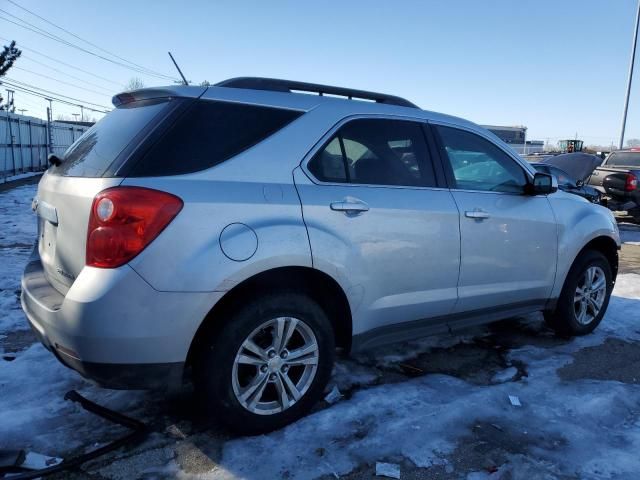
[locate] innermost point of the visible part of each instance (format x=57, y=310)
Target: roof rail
x=292, y=86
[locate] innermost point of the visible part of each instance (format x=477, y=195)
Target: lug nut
x=264, y=369
x=271, y=354
x=285, y=368
x=284, y=354
x=272, y=377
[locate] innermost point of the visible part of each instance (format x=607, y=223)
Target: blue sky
x=558, y=67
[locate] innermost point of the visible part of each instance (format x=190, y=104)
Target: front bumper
x=113, y=327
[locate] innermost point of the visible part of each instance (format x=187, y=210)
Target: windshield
x=93, y=153
x=624, y=159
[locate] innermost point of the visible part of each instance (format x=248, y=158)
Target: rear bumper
x=112, y=327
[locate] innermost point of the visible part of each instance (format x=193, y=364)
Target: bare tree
x=205, y=83
x=134, y=84
x=633, y=142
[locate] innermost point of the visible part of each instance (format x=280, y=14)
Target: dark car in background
x=573, y=171
x=617, y=177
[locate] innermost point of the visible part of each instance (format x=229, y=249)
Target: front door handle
x=349, y=206
x=476, y=214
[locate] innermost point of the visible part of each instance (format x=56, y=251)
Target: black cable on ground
x=138, y=433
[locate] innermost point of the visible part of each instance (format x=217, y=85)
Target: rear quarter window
x=94, y=152
x=207, y=134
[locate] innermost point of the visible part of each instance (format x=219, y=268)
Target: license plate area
x=47, y=241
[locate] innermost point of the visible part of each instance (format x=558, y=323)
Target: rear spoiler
x=161, y=92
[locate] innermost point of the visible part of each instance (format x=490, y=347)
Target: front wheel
x=268, y=364
x=584, y=297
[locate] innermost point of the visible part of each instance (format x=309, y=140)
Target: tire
x=226, y=370
x=567, y=319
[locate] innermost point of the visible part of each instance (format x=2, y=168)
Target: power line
x=82, y=39
x=49, y=94
x=53, y=98
x=22, y=47
x=108, y=89
x=44, y=33
x=62, y=81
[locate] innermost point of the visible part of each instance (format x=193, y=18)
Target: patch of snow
x=629, y=233
x=505, y=375
x=389, y=470
x=333, y=396
x=17, y=237
x=19, y=176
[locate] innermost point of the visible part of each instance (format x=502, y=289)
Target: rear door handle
x=476, y=214
x=350, y=206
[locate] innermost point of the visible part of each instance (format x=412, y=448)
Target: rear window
x=209, y=133
x=624, y=159
x=93, y=153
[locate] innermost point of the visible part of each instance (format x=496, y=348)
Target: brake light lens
x=124, y=220
x=631, y=183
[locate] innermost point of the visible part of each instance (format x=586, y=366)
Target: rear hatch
x=90, y=165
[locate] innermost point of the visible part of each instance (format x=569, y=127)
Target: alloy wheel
x=275, y=366
x=590, y=295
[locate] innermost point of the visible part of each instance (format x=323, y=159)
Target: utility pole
x=49, y=124
x=10, y=106
x=75, y=116
x=22, y=110
x=81, y=113
x=631, y=62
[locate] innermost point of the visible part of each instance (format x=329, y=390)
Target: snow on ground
x=630, y=233
x=19, y=176
x=590, y=428
x=32, y=386
x=587, y=429
x=17, y=237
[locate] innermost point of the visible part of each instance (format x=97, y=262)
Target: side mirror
x=543, y=184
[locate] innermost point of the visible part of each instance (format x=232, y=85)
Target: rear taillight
x=630, y=183
x=124, y=220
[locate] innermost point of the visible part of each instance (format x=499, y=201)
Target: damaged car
x=581, y=166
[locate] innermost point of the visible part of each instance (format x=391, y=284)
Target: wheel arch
x=317, y=284
x=600, y=243
x=605, y=245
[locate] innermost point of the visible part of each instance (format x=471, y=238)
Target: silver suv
x=239, y=234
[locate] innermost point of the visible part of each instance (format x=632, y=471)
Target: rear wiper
x=54, y=160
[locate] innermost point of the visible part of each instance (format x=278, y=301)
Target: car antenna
x=178, y=68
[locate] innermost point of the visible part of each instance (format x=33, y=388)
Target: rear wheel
x=268, y=364
x=584, y=297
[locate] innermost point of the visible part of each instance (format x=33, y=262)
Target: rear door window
x=93, y=153
x=208, y=133
x=376, y=152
